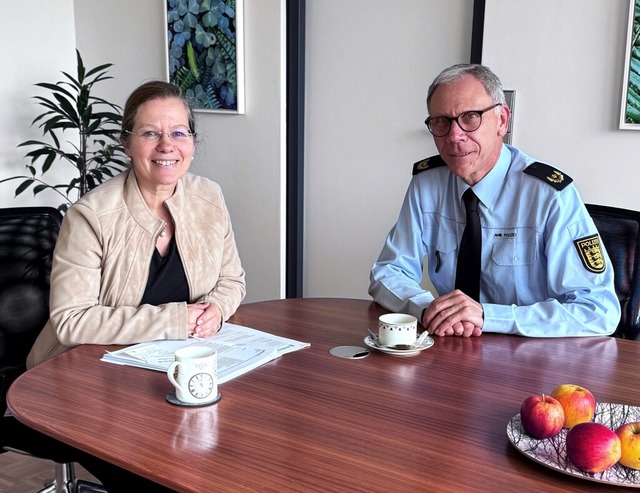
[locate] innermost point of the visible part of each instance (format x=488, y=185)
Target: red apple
x=541, y=416
x=578, y=403
x=629, y=434
x=592, y=447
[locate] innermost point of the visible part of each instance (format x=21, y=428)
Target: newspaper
x=240, y=349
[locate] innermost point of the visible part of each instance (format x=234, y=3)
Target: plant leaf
x=79, y=129
x=23, y=186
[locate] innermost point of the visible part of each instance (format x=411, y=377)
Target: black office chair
x=27, y=238
x=620, y=232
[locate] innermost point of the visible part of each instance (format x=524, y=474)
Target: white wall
x=566, y=61
x=369, y=64
x=37, y=40
x=133, y=39
x=244, y=153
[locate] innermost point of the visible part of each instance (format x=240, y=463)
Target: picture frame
x=510, y=98
x=205, y=53
x=630, y=107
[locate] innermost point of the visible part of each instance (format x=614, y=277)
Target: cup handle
x=170, y=373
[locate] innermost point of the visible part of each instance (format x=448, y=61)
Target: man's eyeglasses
x=469, y=121
x=177, y=135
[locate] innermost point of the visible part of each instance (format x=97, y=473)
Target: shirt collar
x=487, y=189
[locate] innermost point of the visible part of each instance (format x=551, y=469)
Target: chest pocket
x=439, y=240
x=442, y=252
x=509, y=253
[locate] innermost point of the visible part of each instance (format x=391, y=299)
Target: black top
x=167, y=281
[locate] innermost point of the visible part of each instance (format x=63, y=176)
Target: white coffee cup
x=397, y=328
x=194, y=374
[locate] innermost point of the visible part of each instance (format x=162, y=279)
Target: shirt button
x=515, y=259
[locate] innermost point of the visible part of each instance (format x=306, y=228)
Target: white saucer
x=428, y=342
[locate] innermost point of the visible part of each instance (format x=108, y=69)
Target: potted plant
x=95, y=152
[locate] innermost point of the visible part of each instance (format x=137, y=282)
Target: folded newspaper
x=240, y=349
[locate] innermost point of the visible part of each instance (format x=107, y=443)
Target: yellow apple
x=578, y=403
x=593, y=447
x=629, y=434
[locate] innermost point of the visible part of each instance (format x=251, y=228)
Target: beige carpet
x=25, y=474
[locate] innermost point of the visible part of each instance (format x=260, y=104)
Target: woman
x=150, y=254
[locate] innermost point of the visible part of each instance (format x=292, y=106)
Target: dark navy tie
x=468, y=270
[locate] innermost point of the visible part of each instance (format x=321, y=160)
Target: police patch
x=590, y=253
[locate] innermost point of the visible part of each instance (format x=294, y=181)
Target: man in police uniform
x=543, y=269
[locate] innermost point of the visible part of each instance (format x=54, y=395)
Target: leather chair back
x=27, y=238
x=620, y=232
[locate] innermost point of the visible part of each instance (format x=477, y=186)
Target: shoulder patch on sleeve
x=554, y=177
x=428, y=163
x=590, y=253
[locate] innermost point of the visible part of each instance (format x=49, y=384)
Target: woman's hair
x=483, y=74
x=156, y=89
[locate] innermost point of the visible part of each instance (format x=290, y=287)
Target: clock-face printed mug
x=194, y=374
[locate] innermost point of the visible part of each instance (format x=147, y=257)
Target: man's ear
x=505, y=115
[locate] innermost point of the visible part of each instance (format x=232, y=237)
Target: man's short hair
x=487, y=78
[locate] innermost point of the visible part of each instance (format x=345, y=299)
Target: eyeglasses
x=469, y=121
x=177, y=135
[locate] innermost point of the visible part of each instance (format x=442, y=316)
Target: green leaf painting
x=202, y=52
x=632, y=111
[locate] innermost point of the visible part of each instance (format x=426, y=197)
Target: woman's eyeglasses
x=177, y=135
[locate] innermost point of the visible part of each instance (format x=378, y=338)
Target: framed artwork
x=510, y=98
x=630, y=111
x=205, y=53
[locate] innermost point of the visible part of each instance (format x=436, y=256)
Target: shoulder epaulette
x=428, y=163
x=557, y=179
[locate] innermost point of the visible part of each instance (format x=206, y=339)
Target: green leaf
x=43, y=151
x=99, y=68
x=81, y=69
x=47, y=163
x=40, y=188
x=56, y=88
x=68, y=110
x=23, y=186
x=31, y=142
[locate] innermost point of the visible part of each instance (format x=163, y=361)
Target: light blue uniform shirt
x=541, y=268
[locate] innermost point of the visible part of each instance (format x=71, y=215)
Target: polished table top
x=310, y=421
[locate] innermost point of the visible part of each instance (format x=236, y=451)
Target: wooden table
x=309, y=421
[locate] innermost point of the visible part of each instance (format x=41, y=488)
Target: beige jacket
x=101, y=265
